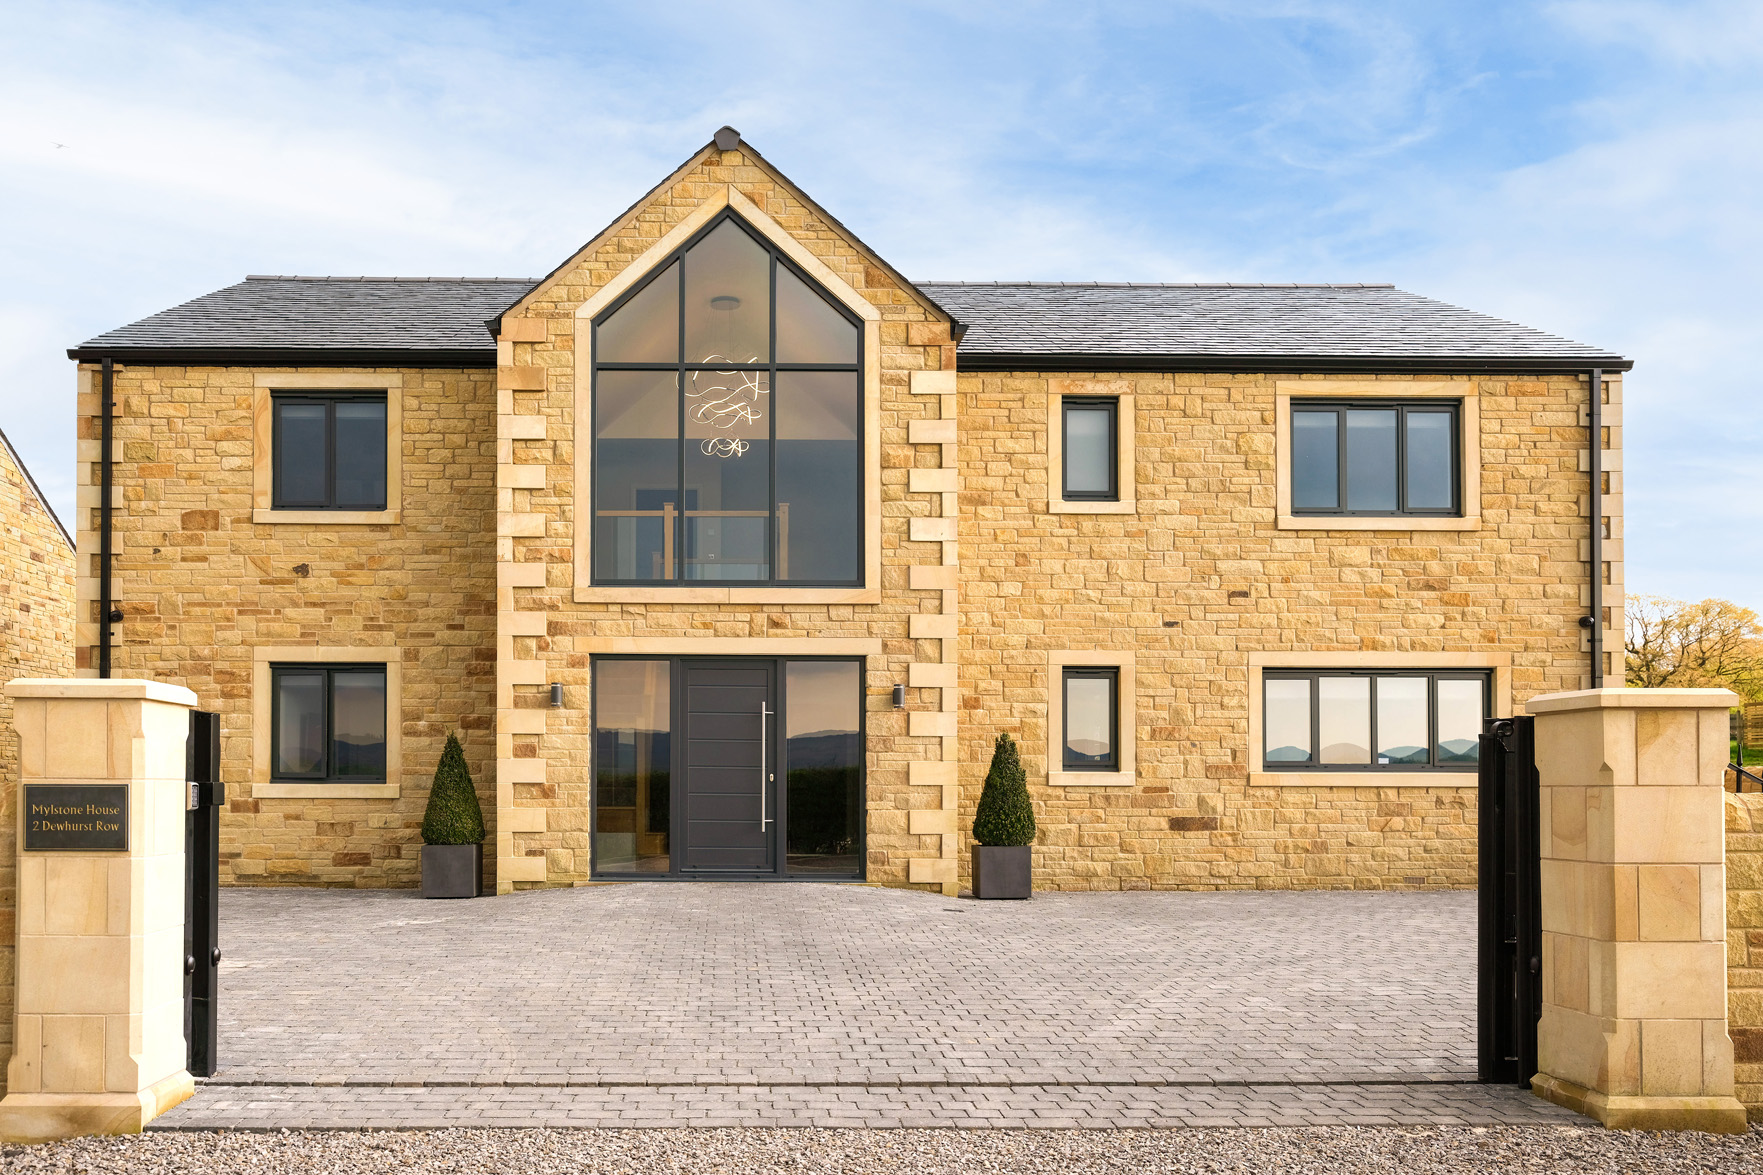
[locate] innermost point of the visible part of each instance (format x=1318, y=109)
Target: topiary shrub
x=1005, y=816
x=453, y=816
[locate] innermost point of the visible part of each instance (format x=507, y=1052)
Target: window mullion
x=771, y=523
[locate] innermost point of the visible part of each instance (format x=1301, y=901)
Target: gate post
x=1633, y=845
x=98, y=1023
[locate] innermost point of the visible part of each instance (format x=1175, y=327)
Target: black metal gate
x=202, y=889
x=1509, y=965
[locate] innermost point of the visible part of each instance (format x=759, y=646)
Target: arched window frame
x=772, y=237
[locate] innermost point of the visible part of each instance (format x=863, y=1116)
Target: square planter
x=1003, y=871
x=452, y=871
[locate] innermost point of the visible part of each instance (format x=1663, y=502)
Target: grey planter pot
x=452, y=871
x=1003, y=871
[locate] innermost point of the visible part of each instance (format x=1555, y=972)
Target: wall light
x=899, y=697
x=557, y=695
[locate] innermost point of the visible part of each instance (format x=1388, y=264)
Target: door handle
x=764, y=820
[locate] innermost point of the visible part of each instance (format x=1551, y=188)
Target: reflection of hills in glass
x=363, y=759
x=1086, y=750
x=1460, y=750
x=1405, y=755
x=1288, y=755
x=824, y=748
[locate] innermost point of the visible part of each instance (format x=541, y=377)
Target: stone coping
x=119, y=688
x=1632, y=699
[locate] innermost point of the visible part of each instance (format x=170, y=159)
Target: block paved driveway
x=793, y=1004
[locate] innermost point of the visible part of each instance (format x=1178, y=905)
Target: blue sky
x=1591, y=169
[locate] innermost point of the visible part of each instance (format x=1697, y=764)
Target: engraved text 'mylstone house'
x=729, y=550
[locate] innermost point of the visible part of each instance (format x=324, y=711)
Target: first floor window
x=1373, y=720
x=1091, y=447
x=1375, y=457
x=329, y=451
x=1092, y=718
x=328, y=722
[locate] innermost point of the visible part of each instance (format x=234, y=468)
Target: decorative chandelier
x=733, y=399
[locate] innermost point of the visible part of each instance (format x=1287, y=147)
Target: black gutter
x=998, y=361
x=1595, y=418
x=106, y=474
x=286, y=357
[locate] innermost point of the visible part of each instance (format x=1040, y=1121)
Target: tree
x=1711, y=643
x=1005, y=815
x=453, y=815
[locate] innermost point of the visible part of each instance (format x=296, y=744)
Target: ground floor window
x=1381, y=720
x=328, y=722
x=1092, y=718
x=731, y=766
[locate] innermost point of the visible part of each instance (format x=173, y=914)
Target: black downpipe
x=1596, y=420
x=106, y=394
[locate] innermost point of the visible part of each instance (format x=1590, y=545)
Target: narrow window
x=633, y=765
x=1091, y=446
x=328, y=723
x=1375, y=458
x=1092, y=719
x=1372, y=720
x=328, y=451
x=823, y=756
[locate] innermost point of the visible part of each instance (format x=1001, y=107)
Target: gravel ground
x=1330, y=1150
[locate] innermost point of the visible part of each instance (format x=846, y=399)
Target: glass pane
x=299, y=453
x=1371, y=458
x=646, y=328
x=361, y=454
x=633, y=760
x=1344, y=710
x=636, y=474
x=1089, y=450
x=299, y=723
x=809, y=330
x=823, y=752
x=1462, y=707
x=1089, y=720
x=1316, y=460
x=819, y=476
x=358, y=724
x=1401, y=720
x=1286, y=721
x=728, y=475
x=1430, y=483
x=728, y=299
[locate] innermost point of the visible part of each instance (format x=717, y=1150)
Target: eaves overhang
x=285, y=356
x=1284, y=364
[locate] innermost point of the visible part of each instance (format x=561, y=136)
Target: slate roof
x=435, y=318
x=1009, y=325
x=1027, y=324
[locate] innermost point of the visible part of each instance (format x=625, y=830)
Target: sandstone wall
x=36, y=640
x=1199, y=577
x=201, y=585
x=1744, y=945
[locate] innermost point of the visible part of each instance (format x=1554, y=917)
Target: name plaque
x=76, y=817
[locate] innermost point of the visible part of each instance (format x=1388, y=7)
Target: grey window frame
x=1112, y=674
x=1090, y=403
x=1402, y=409
x=329, y=400
x=327, y=670
x=1433, y=676
x=683, y=369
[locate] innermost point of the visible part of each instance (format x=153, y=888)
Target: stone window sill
x=1060, y=506
x=1362, y=779
x=324, y=791
x=1327, y=522
x=1092, y=778
x=329, y=517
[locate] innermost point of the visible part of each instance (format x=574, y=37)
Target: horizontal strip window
x=1376, y=457
x=328, y=723
x=1091, y=739
x=328, y=451
x=1373, y=720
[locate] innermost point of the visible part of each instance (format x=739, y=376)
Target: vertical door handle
x=764, y=820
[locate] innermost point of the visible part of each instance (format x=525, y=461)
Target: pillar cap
x=97, y=688
x=1633, y=699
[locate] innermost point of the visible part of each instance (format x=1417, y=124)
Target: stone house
x=36, y=640
x=1242, y=567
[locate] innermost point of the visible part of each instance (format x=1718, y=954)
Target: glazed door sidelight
x=730, y=798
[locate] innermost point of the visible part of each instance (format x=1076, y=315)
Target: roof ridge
x=304, y=277
x=1177, y=285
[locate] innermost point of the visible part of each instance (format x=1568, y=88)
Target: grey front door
x=730, y=766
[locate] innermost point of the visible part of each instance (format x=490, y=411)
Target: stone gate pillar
x=1633, y=847
x=99, y=1020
